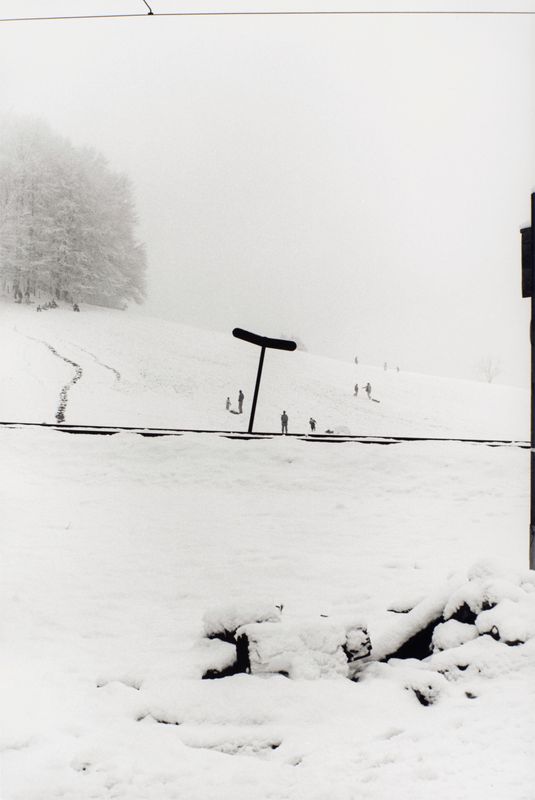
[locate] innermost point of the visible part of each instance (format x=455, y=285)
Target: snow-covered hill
x=113, y=548
x=138, y=370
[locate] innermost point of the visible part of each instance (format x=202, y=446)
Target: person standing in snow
x=368, y=388
x=312, y=423
x=240, y=402
x=227, y=404
x=284, y=422
x=385, y=366
x=356, y=390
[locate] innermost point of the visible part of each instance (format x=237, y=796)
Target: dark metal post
x=531, y=334
x=257, y=387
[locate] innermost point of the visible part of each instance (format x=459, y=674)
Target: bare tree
x=489, y=368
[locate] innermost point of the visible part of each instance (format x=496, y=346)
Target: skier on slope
x=368, y=388
x=356, y=390
x=227, y=404
x=312, y=423
x=240, y=402
x=284, y=422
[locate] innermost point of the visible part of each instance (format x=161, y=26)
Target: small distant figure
x=75, y=307
x=38, y=308
x=227, y=404
x=356, y=359
x=53, y=303
x=397, y=369
x=385, y=366
x=240, y=402
x=312, y=423
x=356, y=390
x=368, y=389
x=284, y=422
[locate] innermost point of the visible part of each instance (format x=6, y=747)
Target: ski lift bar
x=262, y=342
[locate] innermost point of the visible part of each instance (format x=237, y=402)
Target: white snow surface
x=113, y=549
x=139, y=371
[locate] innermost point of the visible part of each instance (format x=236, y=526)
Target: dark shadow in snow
x=419, y=645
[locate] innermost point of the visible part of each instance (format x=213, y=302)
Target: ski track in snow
x=64, y=393
x=100, y=363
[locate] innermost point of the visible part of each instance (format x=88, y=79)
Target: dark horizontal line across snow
x=107, y=430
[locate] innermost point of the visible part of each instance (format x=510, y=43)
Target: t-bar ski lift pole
x=262, y=342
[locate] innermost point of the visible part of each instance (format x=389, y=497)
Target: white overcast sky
x=358, y=182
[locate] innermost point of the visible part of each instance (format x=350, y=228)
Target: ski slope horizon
x=143, y=371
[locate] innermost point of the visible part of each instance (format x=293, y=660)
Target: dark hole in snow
x=464, y=614
x=419, y=645
x=399, y=610
x=242, y=663
x=422, y=698
x=226, y=672
x=462, y=667
x=487, y=605
x=471, y=696
x=224, y=636
x=494, y=632
x=242, y=654
x=515, y=643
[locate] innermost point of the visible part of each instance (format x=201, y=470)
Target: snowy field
x=141, y=371
x=114, y=548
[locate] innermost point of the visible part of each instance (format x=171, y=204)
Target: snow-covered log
x=223, y=622
x=311, y=650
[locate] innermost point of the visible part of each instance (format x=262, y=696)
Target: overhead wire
x=296, y=13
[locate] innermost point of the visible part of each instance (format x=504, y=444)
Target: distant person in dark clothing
x=312, y=423
x=368, y=388
x=356, y=389
x=75, y=307
x=227, y=404
x=240, y=402
x=38, y=308
x=284, y=422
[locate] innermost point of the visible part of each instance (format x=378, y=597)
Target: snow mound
x=300, y=650
x=222, y=623
x=452, y=634
x=467, y=628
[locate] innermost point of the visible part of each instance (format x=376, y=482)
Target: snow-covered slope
x=114, y=548
x=142, y=371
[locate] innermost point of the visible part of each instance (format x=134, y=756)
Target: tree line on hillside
x=66, y=221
